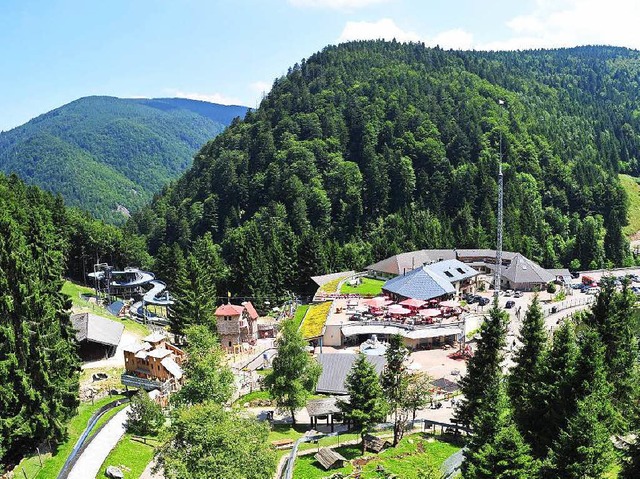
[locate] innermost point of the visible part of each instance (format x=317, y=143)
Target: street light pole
x=498, y=272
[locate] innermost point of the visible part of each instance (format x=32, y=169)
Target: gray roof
x=335, y=368
x=328, y=458
x=446, y=385
x=96, y=329
x=524, y=271
x=403, y=262
x=560, y=273
x=421, y=283
x=453, y=270
x=173, y=367
x=327, y=278
x=322, y=407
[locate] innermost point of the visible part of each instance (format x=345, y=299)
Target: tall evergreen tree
x=485, y=365
x=366, y=406
x=496, y=448
x=395, y=381
x=295, y=373
x=524, y=375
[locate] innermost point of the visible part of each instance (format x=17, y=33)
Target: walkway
x=88, y=464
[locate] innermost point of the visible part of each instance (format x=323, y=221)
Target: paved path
x=88, y=465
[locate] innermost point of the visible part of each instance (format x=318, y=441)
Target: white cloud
x=457, y=39
x=563, y=23
x=385, y=29
x=210, y=97
x=260, y=87
x=335, y=4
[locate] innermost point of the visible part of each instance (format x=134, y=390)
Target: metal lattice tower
x=498, y=273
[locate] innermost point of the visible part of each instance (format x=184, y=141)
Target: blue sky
x=230, y=51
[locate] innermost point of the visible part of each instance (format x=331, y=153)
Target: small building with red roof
x=236, y=324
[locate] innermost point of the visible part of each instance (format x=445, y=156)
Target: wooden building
x=98, y=337
x=236, y=325
x=154, y=364
x=330, y=459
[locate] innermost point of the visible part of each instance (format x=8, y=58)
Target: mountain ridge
x=99, y=152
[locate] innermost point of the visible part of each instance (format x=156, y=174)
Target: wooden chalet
x=330, y=459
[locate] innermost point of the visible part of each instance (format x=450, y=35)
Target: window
x=448, y=273
x=227, y=318
x=460, y=270
x=229, y=343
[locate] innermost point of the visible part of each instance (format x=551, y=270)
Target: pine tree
x=496, y=449
x=366, y=406
x=485, y=365
x=524, y=375
x=295, y=373
x=553, y=398
x=631, y=461
x=395, y=381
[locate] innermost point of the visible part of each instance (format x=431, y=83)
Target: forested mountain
x=101, y=152
x=370, y=148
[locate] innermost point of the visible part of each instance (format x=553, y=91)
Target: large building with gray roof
x=98, y=337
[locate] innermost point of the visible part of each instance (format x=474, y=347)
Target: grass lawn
x=252, y=396
x=368, y=287
x=404, y=460
x=633, y=215
x=131, y=456
x=112, y=382
x=314, y=320
x=75, y=290
x=53, y=464
x=299, y=316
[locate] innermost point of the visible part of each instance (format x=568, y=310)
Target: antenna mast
x=498, y=273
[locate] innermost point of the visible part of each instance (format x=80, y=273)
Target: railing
x=146, y=384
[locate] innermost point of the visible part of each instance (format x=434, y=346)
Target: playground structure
x=140, y=287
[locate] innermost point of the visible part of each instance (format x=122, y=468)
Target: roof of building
x=446, y=385
x=560, y=273
x=327, y=278
x=328, y=457
x=524, y=271
x=453, y=270
x=421, y=283
x=322, y=407
x=159, y=353
x=171, y=366
x=253, y=314
x=135, y=347
x=403, y=262
x=96, y=329
x=155, y=337
x=335, y=368
x=229, y=310
x=483, y=253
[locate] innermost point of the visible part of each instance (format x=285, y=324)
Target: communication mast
x=498, y=273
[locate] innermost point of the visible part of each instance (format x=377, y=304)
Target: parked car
x=518, y=294
x=575, y=274
x=593, y=290
x=510, y=304
x=482, y=301
x=508, y=292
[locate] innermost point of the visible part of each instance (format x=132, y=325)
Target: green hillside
x=101, y=152
x=632, y=188
x=368, y=149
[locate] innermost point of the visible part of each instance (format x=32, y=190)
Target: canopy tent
x=429, y=313
x=397, y=309
x=450, y=303
x=413, y=303
x=433, y=332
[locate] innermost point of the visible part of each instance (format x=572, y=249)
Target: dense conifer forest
x=368, y=149
x=101, y=152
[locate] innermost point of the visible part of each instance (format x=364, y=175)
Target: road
x=88, y=464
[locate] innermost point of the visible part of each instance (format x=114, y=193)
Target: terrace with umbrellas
x=419, y=305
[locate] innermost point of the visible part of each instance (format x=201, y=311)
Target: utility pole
x=498, y=272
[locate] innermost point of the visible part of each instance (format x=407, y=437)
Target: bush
x=551, y=288
x=145, y=416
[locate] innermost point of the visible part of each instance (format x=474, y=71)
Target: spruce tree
x=553, y=391
x=528, y=359
x=496, y=448
x=295, y=373
x=631, y=460
x=395, y=381
x=366, y=406
x=485, y=365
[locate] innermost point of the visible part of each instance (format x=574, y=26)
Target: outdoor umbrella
x=451, y=303
x=429, y=313
x=377, y=302
x=397, y=309
x=413, y=303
